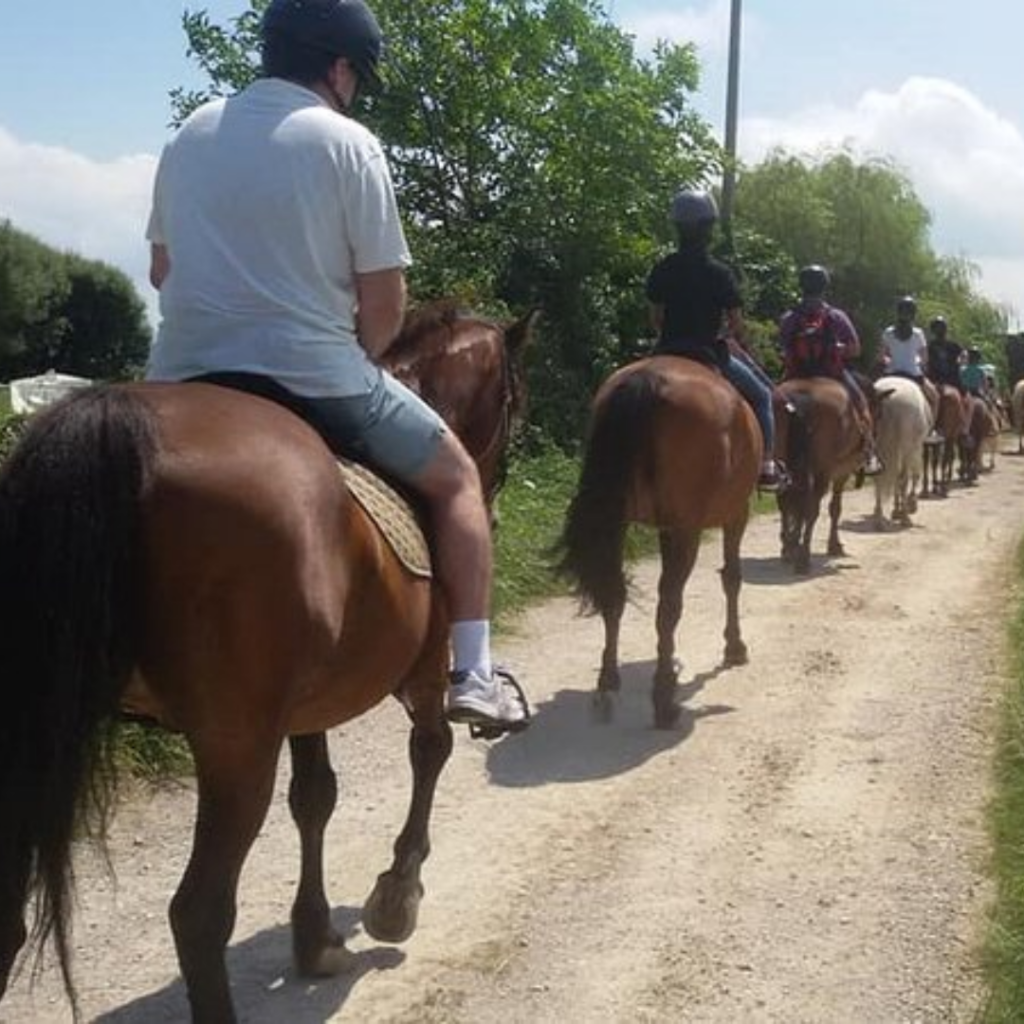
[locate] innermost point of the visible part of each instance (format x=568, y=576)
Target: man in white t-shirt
x=905, y=354
x=278, y=252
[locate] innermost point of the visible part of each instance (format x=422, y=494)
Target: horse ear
x=519, y=332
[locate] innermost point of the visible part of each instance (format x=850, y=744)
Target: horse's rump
x=701, y=448
x=1017, y=406
x=253, y=541
x=823, y=436
x=904, y=420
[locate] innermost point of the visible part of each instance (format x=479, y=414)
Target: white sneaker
x=872, y=465
x=497, y=701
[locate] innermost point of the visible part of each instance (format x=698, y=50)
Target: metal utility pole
x=731, y=108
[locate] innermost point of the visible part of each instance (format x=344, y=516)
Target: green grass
x=1003, y=953
x=150, y=752
x=531, y=508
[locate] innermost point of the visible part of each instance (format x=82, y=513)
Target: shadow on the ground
x=264, y=986
x=577, y=737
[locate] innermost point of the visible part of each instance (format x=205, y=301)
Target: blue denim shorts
x=390, y=427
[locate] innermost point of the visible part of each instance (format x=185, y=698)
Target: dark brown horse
x=672, y=445
x=822, y=445
x=195, y=550
x=940, y=459
x=978, y=439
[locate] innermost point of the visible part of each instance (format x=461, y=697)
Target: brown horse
x=978, y=439
x=199, y=547
x=672, y=445
x=940, y=459
x=1017, y=414
x=822, y=445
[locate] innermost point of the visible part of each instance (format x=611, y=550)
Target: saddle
x=391, y=514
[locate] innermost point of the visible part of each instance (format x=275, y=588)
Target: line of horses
x=672, y=445
x=194, y=553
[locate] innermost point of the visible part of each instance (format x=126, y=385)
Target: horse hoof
x=666, y=716
x=328, y=962
x=391, y=911
x=602, y=708
x=736, y=654
x=608, y=679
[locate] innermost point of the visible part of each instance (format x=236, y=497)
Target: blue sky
x=936, y=86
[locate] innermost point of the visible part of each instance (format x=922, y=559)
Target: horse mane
x=434, y=321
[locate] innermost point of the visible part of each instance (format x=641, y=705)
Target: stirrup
x=497, y=730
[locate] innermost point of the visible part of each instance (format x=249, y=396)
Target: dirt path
x=808, y=847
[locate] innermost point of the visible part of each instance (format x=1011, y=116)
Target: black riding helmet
x=906, y=304
x=343, y=28
x=814, y=279
x=692, y=207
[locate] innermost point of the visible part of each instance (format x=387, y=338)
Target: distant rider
x=905, y=354
x=818, y=340
x=691, y=293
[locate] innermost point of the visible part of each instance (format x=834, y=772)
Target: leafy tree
x=33, y=288
x=863, y=221
x=534, y=156
x=59, y=311
x=108, y=335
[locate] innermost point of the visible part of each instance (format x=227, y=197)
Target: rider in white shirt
x=905, y=354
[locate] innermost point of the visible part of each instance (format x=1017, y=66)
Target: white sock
x=471, y=646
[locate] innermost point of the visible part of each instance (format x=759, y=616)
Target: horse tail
x=798, y=448
x=591, y=545
x=70, y=566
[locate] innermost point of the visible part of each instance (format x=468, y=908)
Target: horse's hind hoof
x=602, y=707
x=392, y=909
x=666, y=715
x=608, y=679
x=736, y=654
x=332, y=959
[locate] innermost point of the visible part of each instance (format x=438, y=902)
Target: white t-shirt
x=909, y=355
x=269, y=204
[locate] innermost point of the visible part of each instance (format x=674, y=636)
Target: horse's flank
x=311, y=565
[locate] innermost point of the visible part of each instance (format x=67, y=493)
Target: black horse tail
x=798, y=439
x=70, y=600
x=590, y=549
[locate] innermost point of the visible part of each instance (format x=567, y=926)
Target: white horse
x=903, y=422
x=1017, y=412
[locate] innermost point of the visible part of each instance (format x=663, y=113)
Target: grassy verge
x=531, y=511
x=1003, y=952
x=531, y=507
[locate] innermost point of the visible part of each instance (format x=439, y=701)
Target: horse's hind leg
x=609, y=680
x=678, y=555
x=835, y=511
x=732, y=580
x=318, y=949
x=391, y=910
x=236, y=783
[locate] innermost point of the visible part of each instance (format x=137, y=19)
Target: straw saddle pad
x=392, y=515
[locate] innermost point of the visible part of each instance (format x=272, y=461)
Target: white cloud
x=69, y=202
x=966, y=163
x=707, y=27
